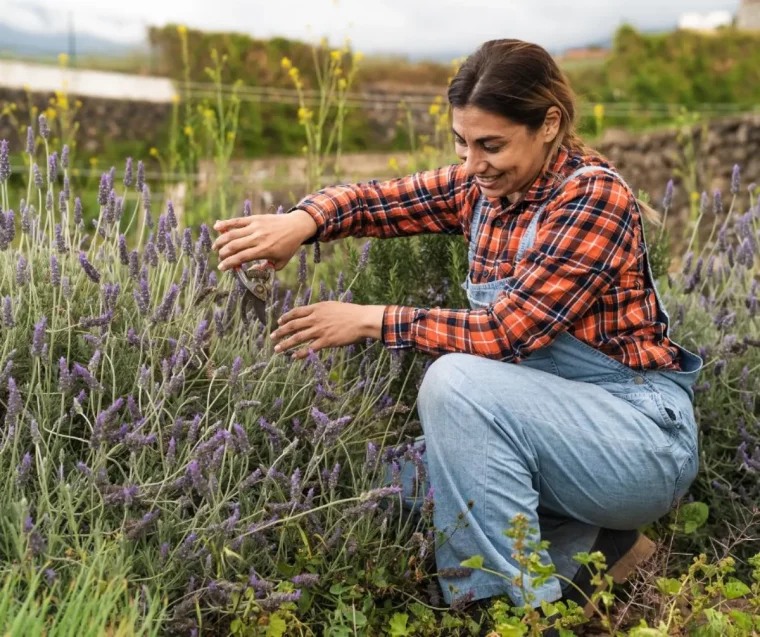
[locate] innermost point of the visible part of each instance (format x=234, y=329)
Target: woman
x=559, y=395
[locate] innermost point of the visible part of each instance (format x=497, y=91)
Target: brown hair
x=521, y=81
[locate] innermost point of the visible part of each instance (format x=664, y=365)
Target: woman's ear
x=552, y=122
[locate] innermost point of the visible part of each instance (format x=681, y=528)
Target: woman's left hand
x=327, y=324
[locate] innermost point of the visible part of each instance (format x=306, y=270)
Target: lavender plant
x=142, y=411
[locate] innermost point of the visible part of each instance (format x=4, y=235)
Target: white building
x=749, y=15
x=705, y=21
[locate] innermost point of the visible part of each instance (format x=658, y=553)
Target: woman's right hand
x=268, y=236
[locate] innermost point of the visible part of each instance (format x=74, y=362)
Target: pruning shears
x=258, y=279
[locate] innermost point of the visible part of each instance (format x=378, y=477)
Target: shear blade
x=261, y=310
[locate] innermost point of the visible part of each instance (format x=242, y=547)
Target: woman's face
x=504, y=157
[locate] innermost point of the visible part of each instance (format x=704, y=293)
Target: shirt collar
x=548, y=180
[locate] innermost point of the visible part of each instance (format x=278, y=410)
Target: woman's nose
x=474, y=164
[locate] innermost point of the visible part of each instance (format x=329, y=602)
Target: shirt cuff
x=319, y=218
x=397, y=327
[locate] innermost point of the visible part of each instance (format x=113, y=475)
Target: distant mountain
x=18, y=42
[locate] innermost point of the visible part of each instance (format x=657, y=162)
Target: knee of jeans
x=444, y=375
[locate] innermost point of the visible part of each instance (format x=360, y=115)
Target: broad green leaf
x=277, y=626
x=742, y=620
x=734, y=588
x=694, y=515
x=668, y=585
x=397, y=624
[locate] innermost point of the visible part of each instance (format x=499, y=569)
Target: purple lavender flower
x=205, y=238
x=78, y=212
x=317, y=254
x=302, y=267
x=275, y=600
x=150, y=254
x=128, y=173
x=161, y=238
x=65, y=156
x=37, y=176
x=49, y=201
x=22, y=272
x=364, y=258
x=88, y=268
x=55, y=271
x=247, y=208
x=123, y=250
x=44, y=128
x=306, y=580
x=39, y=346
x=717, y=203
x=667, y=200
x=140, y=176
x=9, y=225
x=52, y=167
x=163, y=313
x=735, y=179
x=8, y=320
x=23, y=470
x=66, y=286
x=109, y=214
x=60, y=242
x=187, y=242
x=29, y=141
x=5, y=162
x=26, y=221
x=170, y=251
x=103, y=190
x=171, y=217
x=134, y=264
x=142, y=297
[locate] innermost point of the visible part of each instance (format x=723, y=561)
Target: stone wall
x=100, y=120
x=649, y=160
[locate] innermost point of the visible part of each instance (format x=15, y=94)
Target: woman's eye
x=492, y=149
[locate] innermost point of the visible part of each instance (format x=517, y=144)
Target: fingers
x=290, y=327
x=229, y=236
x=296, y=339
x=313, y=347
x=297, y=312
x=236, y=244
x=244, y=256
x=224, y=225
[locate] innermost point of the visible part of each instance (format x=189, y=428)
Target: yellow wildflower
x=293, y=73
x=304, y=114
x=93, y=161
x=286, y=63
x=63, y=59
x=175, y=98
x=599, y=111
x=342, y=84
x=435, y=109
x=695, y=196
x=335, y=55
x=154, y=152
x=358, y=56
x=393, y=164
x=182, y=30
x=188, y=132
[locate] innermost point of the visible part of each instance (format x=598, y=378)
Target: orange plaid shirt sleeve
x=584, y=272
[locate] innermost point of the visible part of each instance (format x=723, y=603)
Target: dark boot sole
x=621, y=570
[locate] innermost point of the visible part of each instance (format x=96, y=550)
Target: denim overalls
x=465, y=398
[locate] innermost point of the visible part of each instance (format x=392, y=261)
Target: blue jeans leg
x=503, y=439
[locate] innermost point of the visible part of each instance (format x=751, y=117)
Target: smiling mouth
x=487, y=180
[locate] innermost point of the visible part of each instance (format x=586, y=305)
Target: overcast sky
x=403, y=26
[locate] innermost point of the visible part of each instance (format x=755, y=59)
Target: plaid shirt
x=584, y=273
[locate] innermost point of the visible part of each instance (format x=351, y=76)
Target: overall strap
x=530, y=234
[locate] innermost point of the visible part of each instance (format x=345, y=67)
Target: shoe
x=624, y=552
